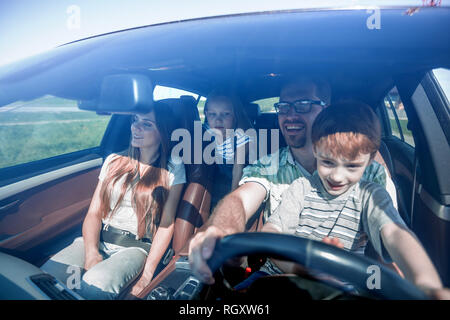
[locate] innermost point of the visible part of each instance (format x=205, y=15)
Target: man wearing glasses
x=300, y=102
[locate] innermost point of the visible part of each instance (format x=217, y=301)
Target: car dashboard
x=21, y=280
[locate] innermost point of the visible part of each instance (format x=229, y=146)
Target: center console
x=175, y=282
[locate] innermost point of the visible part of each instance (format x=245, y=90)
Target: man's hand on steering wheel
x=201, y=248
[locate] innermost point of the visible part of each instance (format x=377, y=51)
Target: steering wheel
x=316, y=255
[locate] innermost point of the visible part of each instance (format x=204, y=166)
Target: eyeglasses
x=300, y=106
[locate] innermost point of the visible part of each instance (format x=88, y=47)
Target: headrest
x=253, y=111
x=185, y=109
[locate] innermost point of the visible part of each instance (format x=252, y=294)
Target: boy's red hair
x=347, y=129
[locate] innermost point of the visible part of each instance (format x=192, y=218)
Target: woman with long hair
x=130, y=222
x=227, y=122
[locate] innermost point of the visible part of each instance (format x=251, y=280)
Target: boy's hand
x=333, y=241
x=438, y=294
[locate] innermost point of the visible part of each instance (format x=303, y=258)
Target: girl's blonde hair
x=241, y=120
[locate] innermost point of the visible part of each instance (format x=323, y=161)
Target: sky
x=28, y=27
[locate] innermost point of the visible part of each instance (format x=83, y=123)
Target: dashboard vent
x=52, y=288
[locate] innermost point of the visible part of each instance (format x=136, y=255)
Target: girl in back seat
x=224, y=115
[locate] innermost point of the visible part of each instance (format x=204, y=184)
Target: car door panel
x=45, y=211
x=434, y=231
x=430, y=220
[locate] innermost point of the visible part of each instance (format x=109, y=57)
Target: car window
x=266, y=105
x=201, y=108
x=443, y=79
x=163, y=92
x=47, y=127
x=397, y=117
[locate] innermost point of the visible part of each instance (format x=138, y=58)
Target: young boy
x=335, y=206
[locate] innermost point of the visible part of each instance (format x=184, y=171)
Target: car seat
x=194, y=207
x=252, y=111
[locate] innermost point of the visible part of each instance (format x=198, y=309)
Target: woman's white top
x=125, y=217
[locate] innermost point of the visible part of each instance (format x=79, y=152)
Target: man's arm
x=230, y=216
x=233, y=212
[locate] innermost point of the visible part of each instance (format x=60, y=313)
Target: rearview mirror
x=122, y=93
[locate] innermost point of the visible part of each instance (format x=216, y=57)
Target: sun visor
x=124, y=94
